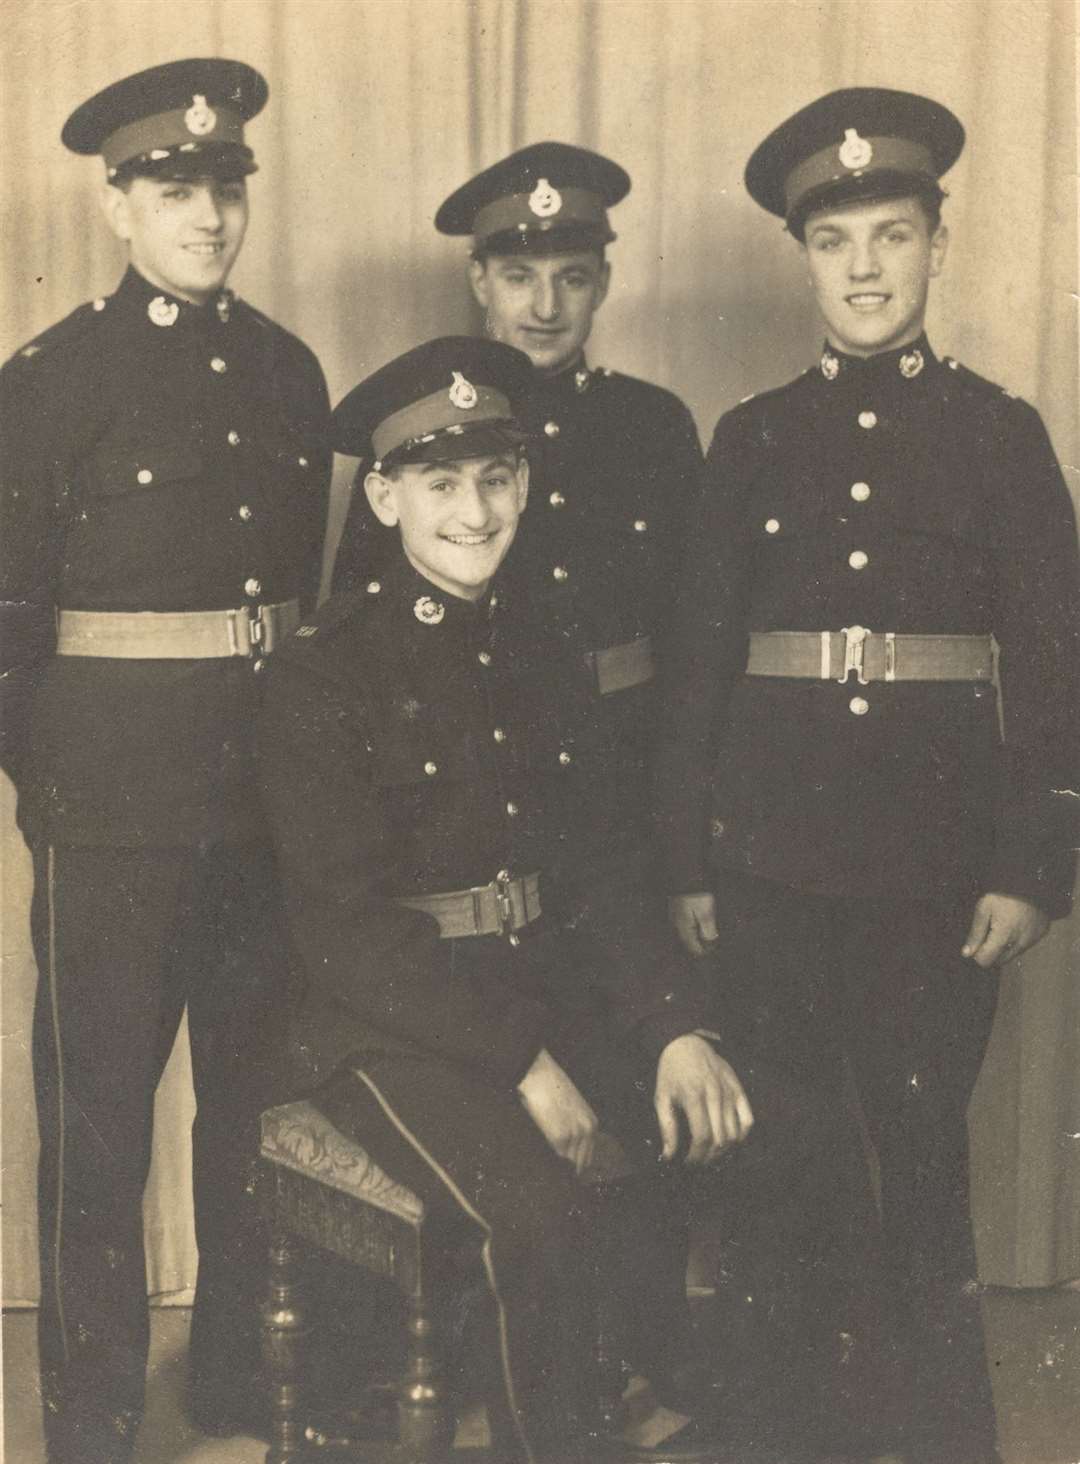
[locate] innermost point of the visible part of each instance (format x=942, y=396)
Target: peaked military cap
x=547, y=198
x=184, y=118
x=863, y=142
x=450, y=398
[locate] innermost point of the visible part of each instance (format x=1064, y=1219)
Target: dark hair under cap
x=182, y=118
x=450, y=398
x=547, y=198
x=859, y=143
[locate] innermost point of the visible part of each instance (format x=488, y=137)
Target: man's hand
x=1002, y=928
x=692, y=1079
x=694, y=919
x=559, y=1111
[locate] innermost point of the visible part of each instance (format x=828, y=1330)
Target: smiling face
x=542, y=304
x=457, y=519
x=870, y=269
x=183, y=234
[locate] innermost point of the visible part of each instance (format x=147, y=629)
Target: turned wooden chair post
x=284, y=1331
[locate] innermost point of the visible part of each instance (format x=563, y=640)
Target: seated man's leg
x=470, y=1151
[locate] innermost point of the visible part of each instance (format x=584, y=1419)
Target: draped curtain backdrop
x=377, y=109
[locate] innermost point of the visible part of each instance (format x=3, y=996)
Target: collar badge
x=911, y=363
x=830, y=366
x=855, y=151
x=199, y=118
x=223, y=305
x=545, y=200
x=462, y=393
x=582, y=380
x=428, y=611
x=163, y=312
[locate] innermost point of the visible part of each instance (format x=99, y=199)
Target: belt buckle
x=854, y=651
x=257, y=627
x=504, y=908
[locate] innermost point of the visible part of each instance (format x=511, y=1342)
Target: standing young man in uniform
x=164, y=502
x=842, y=820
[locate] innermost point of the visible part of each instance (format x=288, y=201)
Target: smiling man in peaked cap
x=845, y=828
x=164, y=498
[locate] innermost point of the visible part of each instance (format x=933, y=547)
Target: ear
x=939, y=247
x=523, y=483
x=478, y=279
x=603, y=281
x=382, y=496
x=114, y=205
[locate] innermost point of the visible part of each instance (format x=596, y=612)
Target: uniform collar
x=573, y=380
x=903, y=364
x=164, y=311
x=417, y=602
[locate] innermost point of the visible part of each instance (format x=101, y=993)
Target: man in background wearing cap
x=427, y=749
x=841, y=817
x=616, y=465
x=164, y=498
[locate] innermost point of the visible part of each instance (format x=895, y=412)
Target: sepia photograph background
x=378, y=108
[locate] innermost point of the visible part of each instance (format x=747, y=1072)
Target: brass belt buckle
x=504, y=908
x=256, y=627
x=854, y=650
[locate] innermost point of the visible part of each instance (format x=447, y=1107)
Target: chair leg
x=425, y=1418
x=284, y=1331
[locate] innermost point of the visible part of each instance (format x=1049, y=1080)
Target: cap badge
x=199, y=118
x=545, y=200
x=163, y=312
x=830, y=366
x=428, y=611
x=911, y=363
x=463, y=394
x=855, y=151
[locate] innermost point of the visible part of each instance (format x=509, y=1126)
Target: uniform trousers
x=471, y=1150
x=878, y=987
x=124, y=940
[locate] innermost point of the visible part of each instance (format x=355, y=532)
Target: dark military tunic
x=615, y=468
x=157, y=457
x=414, y=743
x=847, y=830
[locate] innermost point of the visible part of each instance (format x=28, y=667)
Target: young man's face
x=457, y=519
x=543, y=305
x=183, y=234
x=870, y=268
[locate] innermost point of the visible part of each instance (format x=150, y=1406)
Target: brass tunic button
x=551, y=429
x=302, y=461
x=431, y=769
x=373, y=587
x=499, y=735
x=868, y=419
x=244, y=512
x=99, y=303
x=259, y=665
x=503, y=876
x=218, y=365
x=860, y=492
x=772, y=526
x=233, y=439
x=252, y=586
x=484, y=657
x=858, y=559
x=556, y=500
x=560, y=573
x=565, y=758
x=144, y=476
x=511, y=810
x=717, y=828
x=859, y=705
x=640, y=526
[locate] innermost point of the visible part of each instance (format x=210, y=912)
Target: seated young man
x=427, y=777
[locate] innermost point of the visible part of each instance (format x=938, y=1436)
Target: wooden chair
x=320, y=1188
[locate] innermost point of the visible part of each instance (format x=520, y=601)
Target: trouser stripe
x=489, y=1265
x=54, y=1006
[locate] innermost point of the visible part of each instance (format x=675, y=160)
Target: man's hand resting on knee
x=559, y=1111
x=692, y=1079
